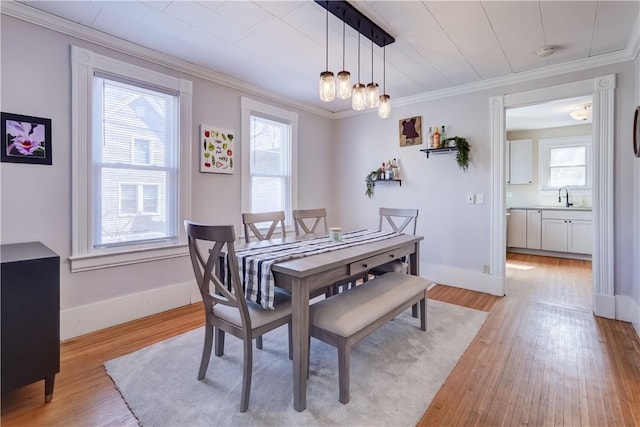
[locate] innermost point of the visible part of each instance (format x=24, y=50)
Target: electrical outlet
x=471, y=199
x=479, y=199
x=485, y=269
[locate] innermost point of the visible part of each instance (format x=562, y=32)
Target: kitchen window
x=130, y=164
x=564, y=162
x=269, y=170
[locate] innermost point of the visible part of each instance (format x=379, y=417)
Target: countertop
x=553, y=208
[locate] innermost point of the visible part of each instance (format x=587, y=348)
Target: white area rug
x=395, y=373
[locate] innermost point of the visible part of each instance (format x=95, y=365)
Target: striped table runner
x=255, y=263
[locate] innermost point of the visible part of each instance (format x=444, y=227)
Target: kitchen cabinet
x=534, y=229
x=30, y=288
x=519, y=161
x=567, y=231
x=517, y=228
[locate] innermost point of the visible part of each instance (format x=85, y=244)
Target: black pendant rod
x=358, y=21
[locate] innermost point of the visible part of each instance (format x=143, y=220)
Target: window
x=564, y=162
x=137, y=199
x=269, y=170
x=130, y=181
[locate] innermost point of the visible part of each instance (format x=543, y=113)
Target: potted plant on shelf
x=372, y=176
x=462, y=156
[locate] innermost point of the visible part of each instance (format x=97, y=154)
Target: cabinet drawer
x=558, y=214
x=375, y=261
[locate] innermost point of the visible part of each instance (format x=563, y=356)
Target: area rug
x=395, y=373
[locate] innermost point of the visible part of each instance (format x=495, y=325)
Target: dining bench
x=344, y=319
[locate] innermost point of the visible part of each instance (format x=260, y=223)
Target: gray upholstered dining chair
x=226, y=308
x=250, y=222
x=307, y=221
x=397, y=220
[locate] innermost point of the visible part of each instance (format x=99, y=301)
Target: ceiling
x=279, y=46
x=552, y=114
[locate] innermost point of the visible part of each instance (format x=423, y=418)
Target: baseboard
x=92, y=317
x=605, y=306
x=568, y=255
x=628, y=310
x=462, y=278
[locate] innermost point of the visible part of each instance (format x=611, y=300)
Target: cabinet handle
x=365, y=265
x=391, y=255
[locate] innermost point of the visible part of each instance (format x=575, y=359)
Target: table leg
x=414, y=268
x=300, y=326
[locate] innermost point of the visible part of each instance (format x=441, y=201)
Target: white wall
x=457, y=235
x=36, y=199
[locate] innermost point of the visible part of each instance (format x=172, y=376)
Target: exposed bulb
x=359, y=98
x=384, y=107
x=373, y=95
x=327, y=86
x=344, y=85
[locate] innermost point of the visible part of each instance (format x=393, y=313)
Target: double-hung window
x=130, y=162
x=565, y=162
x=268, y=161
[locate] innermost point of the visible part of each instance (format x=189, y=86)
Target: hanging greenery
x=462, y=156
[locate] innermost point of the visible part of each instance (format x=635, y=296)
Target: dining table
x=301, y=276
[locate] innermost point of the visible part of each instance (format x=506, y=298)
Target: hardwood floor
x=534, y=361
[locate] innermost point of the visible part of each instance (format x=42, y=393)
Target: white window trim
x=84, y=256
x=248, y=105
x=543, y=161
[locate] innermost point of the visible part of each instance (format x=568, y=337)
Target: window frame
x=249, y=107
x=546, y=144
x=84, y=256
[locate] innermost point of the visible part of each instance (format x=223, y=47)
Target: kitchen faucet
x=560, y=196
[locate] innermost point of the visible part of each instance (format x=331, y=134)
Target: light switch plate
x=479, y=199
x=471, y=199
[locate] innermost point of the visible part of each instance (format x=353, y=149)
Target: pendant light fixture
x=384, y=108
x=373, y=92
x=327, y=80
x=358, y=98
x=344, y=77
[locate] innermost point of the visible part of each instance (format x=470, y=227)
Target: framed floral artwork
x=217, y=149
x=410, y=131
x=25, y=139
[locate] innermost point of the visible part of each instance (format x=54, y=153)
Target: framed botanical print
x=25, y=139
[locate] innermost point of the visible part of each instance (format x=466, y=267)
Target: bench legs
x=344, y=362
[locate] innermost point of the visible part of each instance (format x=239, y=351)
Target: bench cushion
x=348, y=312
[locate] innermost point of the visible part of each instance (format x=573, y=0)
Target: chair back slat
x=209, y=271
x=398, y=219
x=307, y=221
x=249, y=220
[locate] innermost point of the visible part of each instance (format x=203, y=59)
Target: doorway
x=549, y=167
x=602, y=89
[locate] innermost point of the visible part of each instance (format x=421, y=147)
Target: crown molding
x=43, y=19
x=55, y=23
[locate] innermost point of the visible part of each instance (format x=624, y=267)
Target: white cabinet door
x=554, y=235
x=534, y=229
x=580, y=236
x=520, y=170
x=517, y=228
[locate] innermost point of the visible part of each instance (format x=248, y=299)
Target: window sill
x=106, y=260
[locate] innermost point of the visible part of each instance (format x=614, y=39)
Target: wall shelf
x=444, y=150
x=374, y=181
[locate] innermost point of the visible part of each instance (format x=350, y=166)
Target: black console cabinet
x=30, y=291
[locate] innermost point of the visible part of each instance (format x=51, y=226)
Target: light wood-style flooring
x=535, y=361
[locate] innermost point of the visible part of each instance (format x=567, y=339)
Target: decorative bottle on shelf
x=395, y=169
x=443, y=137
x=436, y=138
x=430, y=138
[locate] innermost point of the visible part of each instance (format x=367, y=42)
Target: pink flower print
x=27, y=137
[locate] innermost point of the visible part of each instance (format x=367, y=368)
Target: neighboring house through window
x=131, y=180
x=269, y=137
x=565, y=162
